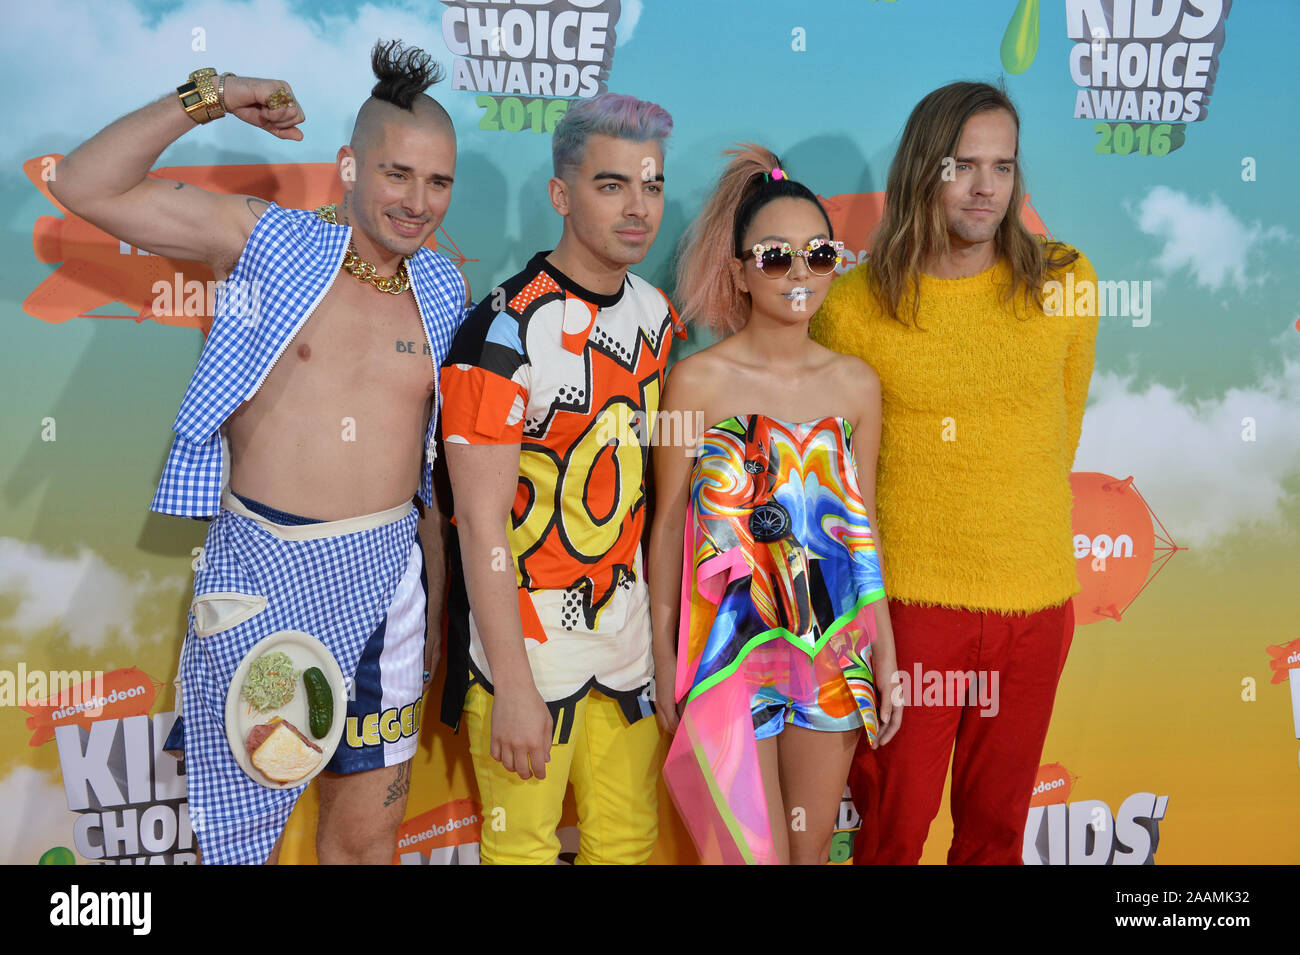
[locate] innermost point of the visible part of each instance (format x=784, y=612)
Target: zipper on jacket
x=433, y=408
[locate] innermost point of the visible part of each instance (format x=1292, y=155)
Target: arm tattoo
x=256, y=206
x=180, y=185
x=401, y=784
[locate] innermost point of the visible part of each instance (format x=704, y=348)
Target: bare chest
x=361, y=345
x=806, y=397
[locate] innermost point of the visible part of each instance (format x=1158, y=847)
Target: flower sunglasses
x=775, y=259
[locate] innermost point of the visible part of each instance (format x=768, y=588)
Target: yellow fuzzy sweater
x=981, y=417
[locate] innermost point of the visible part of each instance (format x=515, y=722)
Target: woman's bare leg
x=813, y=767
x=767, y=761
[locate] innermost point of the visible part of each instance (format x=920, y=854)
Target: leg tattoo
x=401, y=784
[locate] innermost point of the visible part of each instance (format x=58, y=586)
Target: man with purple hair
x=547, y=390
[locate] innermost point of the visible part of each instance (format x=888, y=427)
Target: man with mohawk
x=305, y=435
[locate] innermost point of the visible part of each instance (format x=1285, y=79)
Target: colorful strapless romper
x=779, y=574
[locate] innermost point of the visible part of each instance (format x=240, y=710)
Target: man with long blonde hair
x=982, y=402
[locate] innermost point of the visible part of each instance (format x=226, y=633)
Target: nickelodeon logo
x=1103, y=546
x=120, y=693
x=1285, y=663
x=438, y=829
x=446, y=835
x=1119, y=544
x=1282, y=659
x=1053, y=785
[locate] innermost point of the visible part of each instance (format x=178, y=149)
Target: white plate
x=305, y=651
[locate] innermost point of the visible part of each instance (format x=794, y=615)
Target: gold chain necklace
x=355, y=264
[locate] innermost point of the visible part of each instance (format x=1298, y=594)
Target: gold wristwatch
x=199, y=96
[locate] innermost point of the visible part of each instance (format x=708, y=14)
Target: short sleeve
x=479, y=407
x=485, y=380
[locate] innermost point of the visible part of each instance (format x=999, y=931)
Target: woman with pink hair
x=771, y=632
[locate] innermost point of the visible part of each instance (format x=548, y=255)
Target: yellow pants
x=614, y=769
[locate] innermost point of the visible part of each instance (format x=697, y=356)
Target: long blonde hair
x=914, y=229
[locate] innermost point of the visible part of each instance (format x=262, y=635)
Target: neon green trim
x=719, y=802
x=840, y=622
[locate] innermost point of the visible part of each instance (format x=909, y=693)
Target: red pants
x=897, y=788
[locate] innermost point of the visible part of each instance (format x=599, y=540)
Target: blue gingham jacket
x=285, y=270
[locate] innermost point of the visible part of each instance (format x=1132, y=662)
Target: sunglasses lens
x=775, y=263
x=821, y=261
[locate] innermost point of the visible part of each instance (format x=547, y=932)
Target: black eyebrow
x=781, y=238
x=410, y=171
x=996, y=162
x=619, y=177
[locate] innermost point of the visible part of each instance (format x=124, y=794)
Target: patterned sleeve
x=485, y=380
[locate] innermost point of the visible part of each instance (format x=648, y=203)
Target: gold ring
x=280, y=98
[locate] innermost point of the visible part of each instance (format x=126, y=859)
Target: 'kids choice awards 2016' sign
x=1148, y=64
x=1187, y=639
x=527, y=59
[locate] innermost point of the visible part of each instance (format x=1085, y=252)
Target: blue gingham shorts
x=330, y=580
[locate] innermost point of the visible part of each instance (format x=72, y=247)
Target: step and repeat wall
x=1158, y=137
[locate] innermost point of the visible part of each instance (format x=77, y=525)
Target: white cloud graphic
x=36, y=817
x=85, y=597
x=629, y=14
x=1188, y=458
x=135, y=58
x=1203, y=237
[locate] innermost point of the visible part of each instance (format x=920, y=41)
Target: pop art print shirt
x=574, y=378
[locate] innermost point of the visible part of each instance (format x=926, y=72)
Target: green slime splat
x=1020, y=42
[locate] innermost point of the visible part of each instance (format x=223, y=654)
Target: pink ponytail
x=706, y=286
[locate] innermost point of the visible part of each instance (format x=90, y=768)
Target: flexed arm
x=105, y=179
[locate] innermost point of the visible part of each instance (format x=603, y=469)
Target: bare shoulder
x=859, y=386
x=859, y=375
x=850, y=373
x=693, y=380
